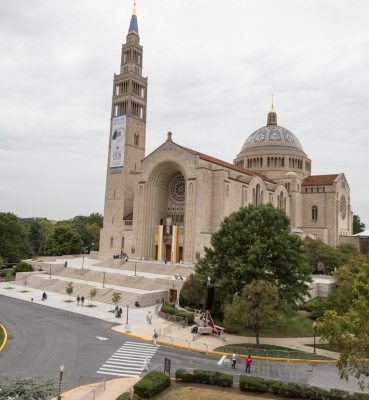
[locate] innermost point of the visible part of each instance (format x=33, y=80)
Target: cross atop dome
x=272, y=115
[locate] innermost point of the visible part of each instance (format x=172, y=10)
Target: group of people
x=80, y=299
x=117, y=256
x=118, y=312
x=248, y=362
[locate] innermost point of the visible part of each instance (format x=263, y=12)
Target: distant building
x=193, y=192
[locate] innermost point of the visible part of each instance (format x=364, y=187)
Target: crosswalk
x=129, y=359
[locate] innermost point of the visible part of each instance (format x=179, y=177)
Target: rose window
x=178, y=189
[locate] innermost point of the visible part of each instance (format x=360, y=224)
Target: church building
x=165, y=206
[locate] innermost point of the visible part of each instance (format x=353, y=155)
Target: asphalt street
x=42, y=338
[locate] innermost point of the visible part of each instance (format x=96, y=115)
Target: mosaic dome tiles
x=272, y=136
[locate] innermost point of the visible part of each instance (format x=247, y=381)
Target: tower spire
x=272, y=115
x=133, y=26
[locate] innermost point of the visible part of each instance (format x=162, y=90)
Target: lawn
x=269, y=350
x=2, y=336
x=300, y=325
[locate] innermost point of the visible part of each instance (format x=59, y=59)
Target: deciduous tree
x=349, y=333
x=256, y=243
x=64, y=240
x=254, y=308
x=13, y=238
x=190, y=291
x=69, y=289
x=358, y=226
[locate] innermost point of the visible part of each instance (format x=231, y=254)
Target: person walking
x=82, y=300
x=154, y=337
x=120, y=312
x=149, y=316
x=248, y=364
x=78, y=300
x=44, y=296
x=234, y=359
x=116, y=311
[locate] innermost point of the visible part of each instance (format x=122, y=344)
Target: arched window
x=257, y=195
x=136, y=139
x=111, y=242
x=314, y=213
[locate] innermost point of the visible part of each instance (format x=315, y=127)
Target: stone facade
x=178, y=187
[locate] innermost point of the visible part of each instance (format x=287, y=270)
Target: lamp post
x=172, y=256
x=135, y=267
x=314, y=326
x=121, y=254
x=61, y=369
x=92, y=246
x=104, y=273
x=83, y=260
x=127, y=326
x=50, y=271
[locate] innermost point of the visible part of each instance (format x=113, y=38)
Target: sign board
x=167, y=362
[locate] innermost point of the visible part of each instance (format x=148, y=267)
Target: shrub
x=207, y=377
x=189, y=316
x=125, y=396
x=168, y=309
x=171, y=304
x=3, y=274
x=23, y=267
x=152, y=384
x=253, y=383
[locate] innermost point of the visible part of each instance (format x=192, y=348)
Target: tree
x=64, y=240
x=116, y=298
x=23, y=267
x=358, y=226
x=27, y=388
x=9, y=278
x=349, y=333
x=37, y=230
x=191, y=292
x=255, y=243
x=254, y=308
x=69, y=289
x=13, y=238
x=317, y=252
x=93, y=293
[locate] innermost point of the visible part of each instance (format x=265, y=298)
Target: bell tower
x=127, y=140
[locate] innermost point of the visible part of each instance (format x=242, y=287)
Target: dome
x=272, y=136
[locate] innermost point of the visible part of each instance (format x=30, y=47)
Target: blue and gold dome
x=272, y=135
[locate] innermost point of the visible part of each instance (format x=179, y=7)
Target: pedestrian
x=166, y=261
x=154, y=336
x=234, y=359
x=82, y=300
x=116, y=311
x=78, y=299
x=149, y=316
x=126, y=259
x=248, y=364
x=66, y=264
x=120, y=312
x=137, y=304
x=44, y=296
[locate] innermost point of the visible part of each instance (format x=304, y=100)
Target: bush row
x=294, y=390
x=5, y=273
x=170, y=309
x=151, y=385
x=209, y=377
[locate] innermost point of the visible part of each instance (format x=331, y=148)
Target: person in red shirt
x=248, y=364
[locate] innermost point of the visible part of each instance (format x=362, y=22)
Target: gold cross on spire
x=272, y=100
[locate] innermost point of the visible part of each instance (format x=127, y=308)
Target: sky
x=212, y=66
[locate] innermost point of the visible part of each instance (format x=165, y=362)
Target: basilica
x=166, y=205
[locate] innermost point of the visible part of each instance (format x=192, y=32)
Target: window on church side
x=268, y=162
x=314, y=213
x=111, y=242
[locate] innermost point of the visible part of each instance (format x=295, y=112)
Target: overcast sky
x=212, y=66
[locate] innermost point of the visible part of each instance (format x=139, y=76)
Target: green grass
x=2, y=336
x=300, y=325
x=311, y=302
x=323, y=347
x=269, y=350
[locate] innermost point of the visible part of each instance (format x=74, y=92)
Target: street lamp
x=314, y=326
x=104, y=273
x=92, y=246
x=50, y=271
x=135, y=267
x=61, y=369
x=127, y=326
x=83, y=260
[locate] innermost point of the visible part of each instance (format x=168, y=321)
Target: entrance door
x=173, y=295
x=181, y=254
x=168, y=252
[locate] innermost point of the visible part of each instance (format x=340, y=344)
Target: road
x=42, y=338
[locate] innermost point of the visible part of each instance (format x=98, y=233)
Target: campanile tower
x=127, y=139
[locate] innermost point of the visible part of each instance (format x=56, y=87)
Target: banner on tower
x=118, y=140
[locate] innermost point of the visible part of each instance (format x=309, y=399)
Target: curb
x=218, y=353
x=5, y=338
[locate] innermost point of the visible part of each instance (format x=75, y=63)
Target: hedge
x=152, y=384
x=208, y=377
x=190, y=317
x=294, y=390
x=125, y=396
x=168, y=309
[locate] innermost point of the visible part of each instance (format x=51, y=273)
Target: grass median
x=2, y=336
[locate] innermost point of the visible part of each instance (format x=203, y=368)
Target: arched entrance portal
x=166, y=209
